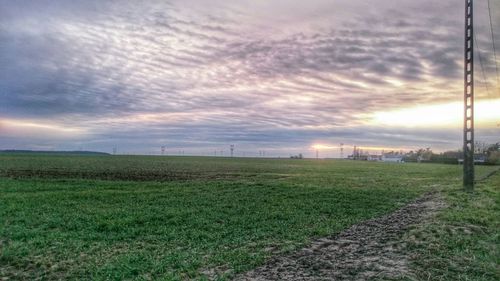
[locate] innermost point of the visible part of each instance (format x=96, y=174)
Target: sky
x=278, y=77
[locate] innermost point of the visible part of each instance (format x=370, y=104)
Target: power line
x=485, y=82
x=494, y=48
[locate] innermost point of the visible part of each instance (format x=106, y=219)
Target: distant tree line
x=57, y=152
x=488, y=154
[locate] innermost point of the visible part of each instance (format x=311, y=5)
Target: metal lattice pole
x=469, y=97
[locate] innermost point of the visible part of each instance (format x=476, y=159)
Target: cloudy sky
x=278, y=76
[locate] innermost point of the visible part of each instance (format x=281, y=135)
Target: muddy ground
x=366, y=251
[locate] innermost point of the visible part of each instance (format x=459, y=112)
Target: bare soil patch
x=366, y=251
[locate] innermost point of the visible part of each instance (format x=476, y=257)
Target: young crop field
x=178, y=218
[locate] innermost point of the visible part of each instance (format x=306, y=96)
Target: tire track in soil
x=365, y=251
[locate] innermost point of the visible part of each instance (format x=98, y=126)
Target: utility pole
x=342, y=151
x=469, y=97
x=232, y=149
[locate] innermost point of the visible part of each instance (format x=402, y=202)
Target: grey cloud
x=89, y=60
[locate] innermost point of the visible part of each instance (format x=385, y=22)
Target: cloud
x=276, y=73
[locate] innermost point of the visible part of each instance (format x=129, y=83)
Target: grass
x=175, y=218
x=462, y=242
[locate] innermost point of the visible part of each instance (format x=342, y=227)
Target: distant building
x=374, y=157
x=478, y=159
x=393, y=158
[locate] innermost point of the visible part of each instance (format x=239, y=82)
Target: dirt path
x=369, y=250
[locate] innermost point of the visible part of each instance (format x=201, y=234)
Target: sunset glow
x=439, y=115
x=38, y=129
x=324, y=147
x=349, y=147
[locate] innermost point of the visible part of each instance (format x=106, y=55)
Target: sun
x=322, y=146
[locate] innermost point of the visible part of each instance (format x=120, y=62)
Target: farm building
x=478, y=159
x=392, y=158
x=374, y=157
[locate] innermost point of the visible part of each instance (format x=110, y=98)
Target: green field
x=463, y=241
x=175, y=218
